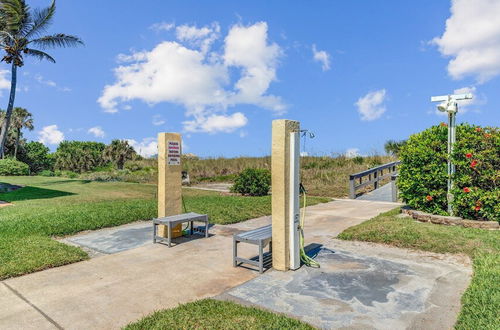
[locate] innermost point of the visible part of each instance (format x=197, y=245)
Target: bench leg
x=206, y=229
x=235, y=252
x=154, y=233
x=261, y=258
x=191, y=229
x=169, y=235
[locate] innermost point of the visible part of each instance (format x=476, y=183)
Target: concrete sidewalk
x=110, y=291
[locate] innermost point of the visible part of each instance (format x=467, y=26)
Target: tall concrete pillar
x=169, y=180
x=281, y=191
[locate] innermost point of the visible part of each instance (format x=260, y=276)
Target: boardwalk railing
x=374, y=175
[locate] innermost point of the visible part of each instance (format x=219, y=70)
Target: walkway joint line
x=48, y=318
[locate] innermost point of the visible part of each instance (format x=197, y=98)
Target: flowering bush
x=423, y=171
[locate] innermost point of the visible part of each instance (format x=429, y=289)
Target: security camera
x=442, y=106
x=448, y=106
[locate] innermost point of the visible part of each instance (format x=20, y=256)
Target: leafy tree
x=79, y=156
x=21, y=29
x=394, y=147
x=118, y=152
x=37, y=156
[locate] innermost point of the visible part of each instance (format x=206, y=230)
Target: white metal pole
x=294, y=212
x=451, y=166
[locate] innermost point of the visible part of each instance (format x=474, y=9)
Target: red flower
x=444, y=124
x=473, y=163
x=469, y=155
x=487, y=135
x=429, y=198
x=467, y=189
x=478, y=206
x=478, y=129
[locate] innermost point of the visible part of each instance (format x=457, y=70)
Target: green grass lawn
x=50, y=206
x=481, y=301
x=214, y=314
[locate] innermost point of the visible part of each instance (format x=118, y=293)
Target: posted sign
x=173, y=153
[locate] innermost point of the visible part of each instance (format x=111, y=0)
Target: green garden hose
x=308, y=261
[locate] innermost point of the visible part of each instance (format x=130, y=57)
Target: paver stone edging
x=448, y=220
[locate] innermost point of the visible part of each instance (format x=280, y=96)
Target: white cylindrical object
x=294, y=213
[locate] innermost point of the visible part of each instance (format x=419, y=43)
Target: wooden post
x=169, y=180
x=280, y=168
x=352, y=188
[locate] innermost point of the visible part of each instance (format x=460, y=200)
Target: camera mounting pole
x=449, y=104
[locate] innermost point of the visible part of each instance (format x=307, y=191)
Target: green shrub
x=10, y=166
x=253, y=182
x=46, y=173
x=37, y=156
x=423, y=171
x=79, y=156
x=358, y=160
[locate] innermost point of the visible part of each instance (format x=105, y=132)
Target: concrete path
x=221, y=187
x=382, y=194
x=112, y=290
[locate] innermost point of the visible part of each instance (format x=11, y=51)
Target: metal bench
x=174, y=220
x=261, y=237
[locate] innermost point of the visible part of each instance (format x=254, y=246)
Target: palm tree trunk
x=8, y=113
x=18, y=131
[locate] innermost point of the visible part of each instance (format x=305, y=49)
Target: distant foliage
x=78, y=156
x=393, y=148
x=37, y=156
x=10, y=166
x=118, y=152
x=423, y=171
x=253, y=182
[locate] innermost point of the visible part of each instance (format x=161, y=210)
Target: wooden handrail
x=376, y=172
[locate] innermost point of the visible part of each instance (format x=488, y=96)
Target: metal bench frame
x=261, y=237
x=174, y=220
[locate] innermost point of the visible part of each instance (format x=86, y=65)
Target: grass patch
x=50, y=206
x=214, y=314
x=481, y=301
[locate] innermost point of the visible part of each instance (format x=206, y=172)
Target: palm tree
x=118, y=152
x=21, y=118
x=21, y=29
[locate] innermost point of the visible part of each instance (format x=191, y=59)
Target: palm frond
x=57, y=40
x=41, y=19
x=15, y=15
x=40, y=55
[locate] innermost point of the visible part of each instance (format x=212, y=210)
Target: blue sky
x=356, y=73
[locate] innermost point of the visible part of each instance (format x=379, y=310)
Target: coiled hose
x=308, y=261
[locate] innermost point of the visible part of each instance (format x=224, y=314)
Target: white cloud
x=41, y=80
x=472, y=39
x=50, y=135
x=371, y=106
x=322, y=57
x=216, y=123
x=199, y=37
x=4, y=82
x=199, y=79
x=158, y=120
x=162, y=26
x=97, y=131
x=148, y=147
x=352, y=152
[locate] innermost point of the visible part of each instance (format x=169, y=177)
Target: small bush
x=358, y=160
x=47, y=173
x=10, y=166
x=423, y=171
x=253, y=182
